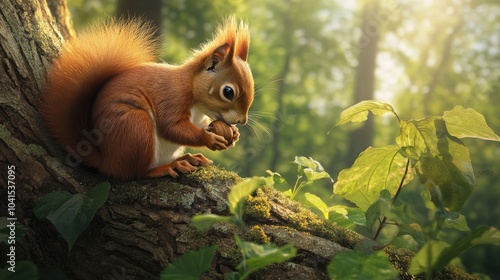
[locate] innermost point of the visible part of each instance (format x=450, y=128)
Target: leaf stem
x=384, y=220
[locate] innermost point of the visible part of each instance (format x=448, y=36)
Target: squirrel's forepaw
x=236, y=135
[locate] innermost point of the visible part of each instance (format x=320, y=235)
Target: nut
x=221, y=128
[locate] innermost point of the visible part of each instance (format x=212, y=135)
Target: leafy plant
x=71, y=214
x=308, y=171
x=256, y=256
x=190, y=266
x=430, y=149
x=236, y=199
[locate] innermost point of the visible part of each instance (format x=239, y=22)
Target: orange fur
x=110, y=106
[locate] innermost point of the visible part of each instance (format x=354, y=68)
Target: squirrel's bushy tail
x=83, y=66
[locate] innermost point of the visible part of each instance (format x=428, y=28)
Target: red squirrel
x=113, y=108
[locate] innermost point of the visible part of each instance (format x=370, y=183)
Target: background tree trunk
x=364, y=86
x=145, y=224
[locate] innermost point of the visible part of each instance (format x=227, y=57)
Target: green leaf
x=359, y=112
x=435, y=255
x=354, y=216
x=256, y=256
x=463, y=123
x=456, y=221
x=357, y=265
x=71, y=214
x=380, y=208
x=241, y=191
x=275, y=179
x=191, y=265
x=317, y=202
x=5, y=230
x=427, y=256
x=374, y=170
x=482, y=235
x=451, y=171
x=205, y=221
x=312, y=168
x=443, y=160
x=24, y=270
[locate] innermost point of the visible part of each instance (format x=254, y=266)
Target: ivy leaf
x=71, y=214
x=427, y=256
x=463, y=123
x=203, y=222
x=357, y=265
x=374, y=170
x=256, y=256
x=359, y=112
x=191, y=265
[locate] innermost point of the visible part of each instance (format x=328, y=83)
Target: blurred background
x=312, y=59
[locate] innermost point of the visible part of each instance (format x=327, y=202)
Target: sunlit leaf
x=203, y=222
x=312, y=168
x=275, y=179
x=357, y=265
x=418, y=137
x=359, y=112
x=317, y=202
x=374, y=170
x=256, y=256
x=464, y=123
x=190, y=266
x=71, y=214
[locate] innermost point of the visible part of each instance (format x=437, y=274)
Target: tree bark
x=364, y=86
x=144, y=225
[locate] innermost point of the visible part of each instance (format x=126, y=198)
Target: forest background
x=312, y=59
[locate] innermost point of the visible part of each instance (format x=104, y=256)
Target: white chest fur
x=166, y=151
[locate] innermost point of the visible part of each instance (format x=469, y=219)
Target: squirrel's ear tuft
x=243, y=41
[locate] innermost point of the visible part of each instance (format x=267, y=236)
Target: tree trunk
x=144, y=225
x=364, y=86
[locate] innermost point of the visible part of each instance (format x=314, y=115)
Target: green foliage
x=236, y=199
x=257, y=256
x=71, y=214
x=435, y=255
x=190, y=266
x=309, y=170
x=355, y=265
x=359, y=112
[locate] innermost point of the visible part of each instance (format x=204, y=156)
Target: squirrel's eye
x=228, y=92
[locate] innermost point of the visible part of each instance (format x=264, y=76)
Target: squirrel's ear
x=222, y=53
x=243, y=48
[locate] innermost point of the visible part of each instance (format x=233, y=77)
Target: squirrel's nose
x=243, y=120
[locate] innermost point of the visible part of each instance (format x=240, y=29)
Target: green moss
x=258, y=206
x=295, y=215
x=257, y=234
